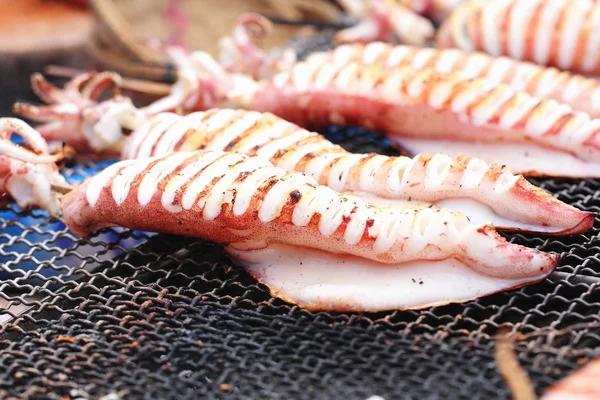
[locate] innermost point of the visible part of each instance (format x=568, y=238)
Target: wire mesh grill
x=131, y=315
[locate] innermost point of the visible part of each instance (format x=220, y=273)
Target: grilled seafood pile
x=232, y=154
x=486, y=193
x=228, y=155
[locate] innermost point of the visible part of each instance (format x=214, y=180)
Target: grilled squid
x=483, y=192
x=580, y=92
x=419, y=110
x=384, y=20
x=580, y=385
x=561, y=33
x=311, y=245
x=27, y=172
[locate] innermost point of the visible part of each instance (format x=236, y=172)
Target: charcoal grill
x=132, y=315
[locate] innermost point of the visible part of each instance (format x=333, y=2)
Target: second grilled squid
x=242, y=52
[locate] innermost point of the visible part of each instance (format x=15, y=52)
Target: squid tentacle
x=78, y=82
x=100, y=82
x=45, y=113
x=32, y=138
x=76, y=117
x=381, y=20
x=242, y=52
x=46, y=91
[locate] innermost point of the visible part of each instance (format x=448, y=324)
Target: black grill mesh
x=130, y=315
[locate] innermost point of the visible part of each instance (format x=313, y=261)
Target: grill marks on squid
x=562, y=33
x=288, y=146
x=229, y=184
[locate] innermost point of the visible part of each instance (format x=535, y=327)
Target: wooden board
x=38, y=26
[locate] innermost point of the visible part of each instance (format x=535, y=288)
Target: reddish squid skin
x=5, y=173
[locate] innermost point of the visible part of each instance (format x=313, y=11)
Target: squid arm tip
x=36, y=76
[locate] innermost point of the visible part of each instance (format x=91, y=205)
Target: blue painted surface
x=27, y=239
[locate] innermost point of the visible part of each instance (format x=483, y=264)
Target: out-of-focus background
x=122, y=35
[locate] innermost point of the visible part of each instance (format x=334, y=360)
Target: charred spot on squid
x=295, y=196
